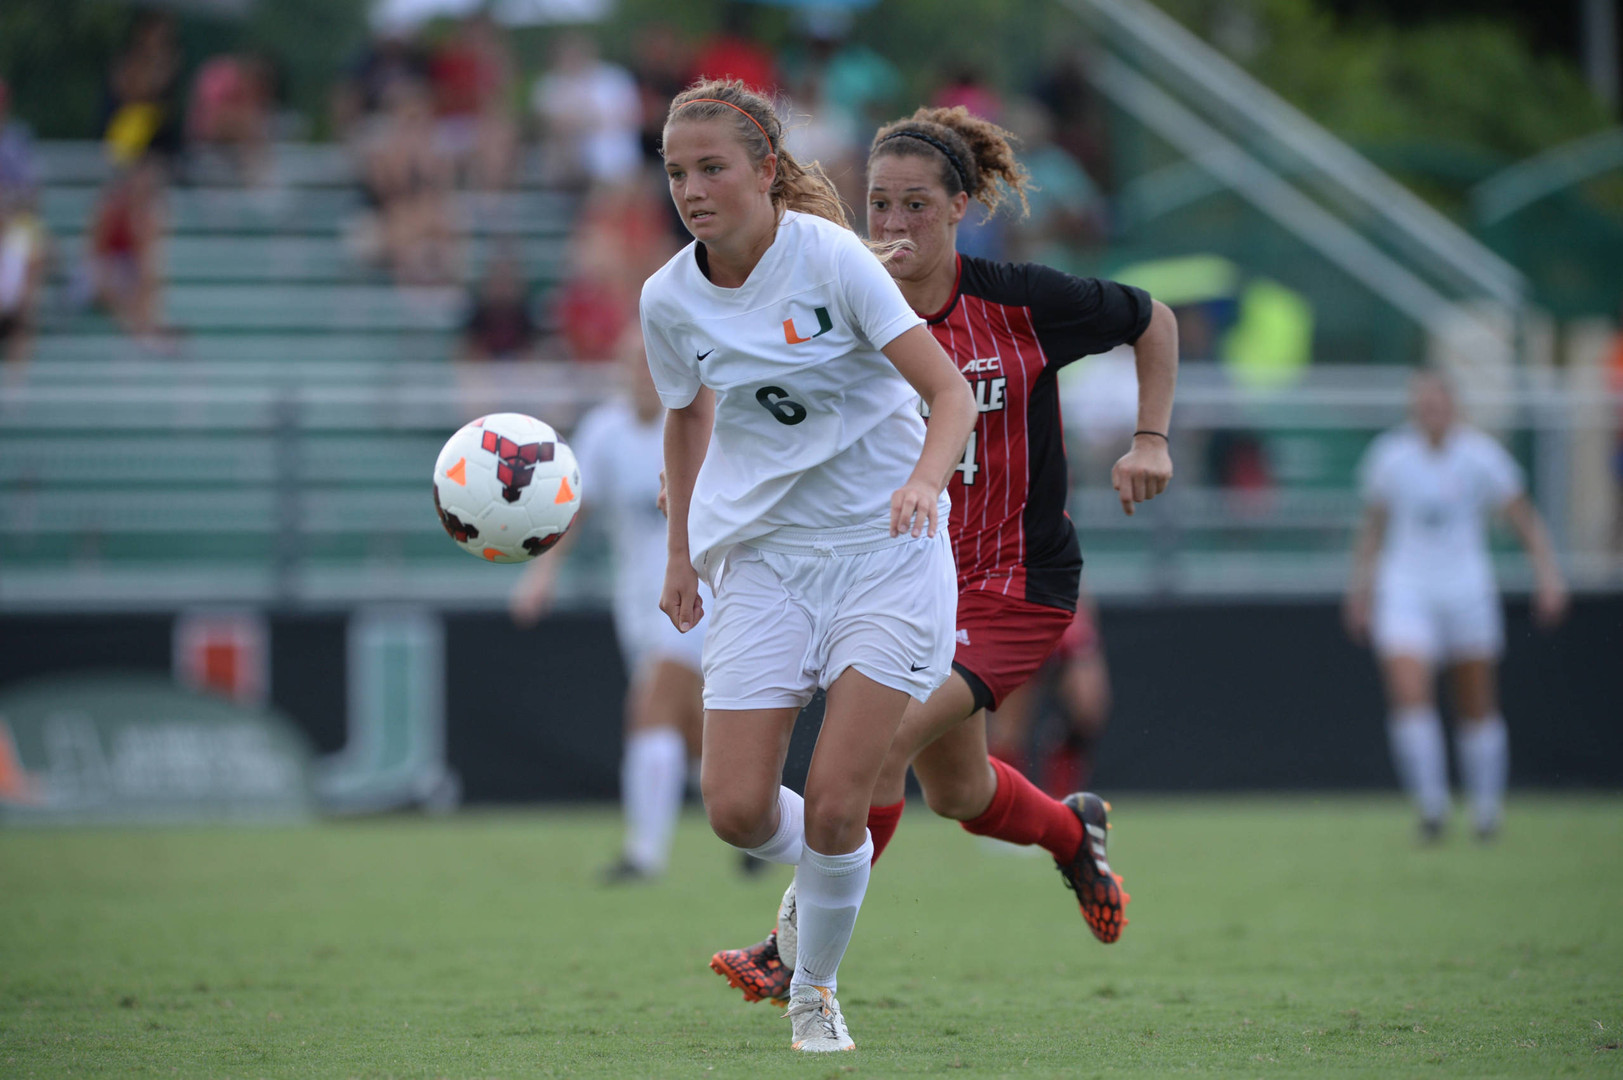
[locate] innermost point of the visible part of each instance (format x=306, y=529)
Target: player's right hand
x=679, y=599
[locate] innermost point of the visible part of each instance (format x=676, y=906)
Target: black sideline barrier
x=1208, y=697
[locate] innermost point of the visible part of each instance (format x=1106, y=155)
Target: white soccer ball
x=506, y=487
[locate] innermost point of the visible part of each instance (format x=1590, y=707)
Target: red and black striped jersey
x=1010, y=328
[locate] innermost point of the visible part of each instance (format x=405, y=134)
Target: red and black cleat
x=1098, y=890
x=758, y=971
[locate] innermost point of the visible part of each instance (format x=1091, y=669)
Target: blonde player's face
x=1432, y=406
x=720, y=194
x=907, y=202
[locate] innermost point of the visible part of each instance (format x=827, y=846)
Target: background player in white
x=1429, y=488
x=803, y=484
x=619, y=446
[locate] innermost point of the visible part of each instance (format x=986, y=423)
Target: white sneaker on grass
x=819, y=1024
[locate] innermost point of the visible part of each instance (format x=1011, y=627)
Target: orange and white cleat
x=757, y=970
x=1098, y=889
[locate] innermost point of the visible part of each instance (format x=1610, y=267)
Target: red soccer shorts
x=1002, y=641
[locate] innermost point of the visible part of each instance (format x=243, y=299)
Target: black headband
x=952, y=158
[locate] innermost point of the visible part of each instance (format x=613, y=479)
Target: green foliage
x=1279, y=938
x=309, y=41
x=55, y=55
x=1462, y=85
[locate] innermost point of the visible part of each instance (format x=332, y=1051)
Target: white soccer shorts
x=795, y=609
x=1438, y=626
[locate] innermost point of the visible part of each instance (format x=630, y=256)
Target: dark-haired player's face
x=906, y=201
x=716, y=188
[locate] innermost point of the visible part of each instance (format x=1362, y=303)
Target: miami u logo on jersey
x=824, y=325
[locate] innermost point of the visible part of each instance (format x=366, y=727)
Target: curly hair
x=976, y=156
x=802, y=187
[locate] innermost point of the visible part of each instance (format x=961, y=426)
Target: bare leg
x=860, y=722
x=922, y=723
x=742, y=769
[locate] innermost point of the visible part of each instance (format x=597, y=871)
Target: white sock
x=1483, y=748
x=651, y=779
x=789, y=841
x=1421, y=757
x=828, y=894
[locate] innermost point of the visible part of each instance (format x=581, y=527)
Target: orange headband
x=741, y=112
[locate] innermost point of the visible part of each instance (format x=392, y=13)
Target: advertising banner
x=136, y=749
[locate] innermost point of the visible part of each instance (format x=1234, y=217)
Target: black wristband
x=1157, y=434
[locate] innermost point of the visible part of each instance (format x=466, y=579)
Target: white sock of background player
x=1483, y=750
x=1421, y=756
x=651, y=781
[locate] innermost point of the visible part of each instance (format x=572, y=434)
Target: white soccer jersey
x=1438, y=501
x=620, y=458
x=814, y=426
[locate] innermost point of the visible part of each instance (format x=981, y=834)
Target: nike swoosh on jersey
x=918, y=667
x=704, y=354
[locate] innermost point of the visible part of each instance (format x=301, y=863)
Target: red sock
x=882, y=822
x=1021, y=814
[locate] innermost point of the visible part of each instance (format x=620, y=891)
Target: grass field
x=1288, y=937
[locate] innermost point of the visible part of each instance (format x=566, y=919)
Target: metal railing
x=157, y=486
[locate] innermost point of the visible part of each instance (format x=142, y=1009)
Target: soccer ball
x=506, y=487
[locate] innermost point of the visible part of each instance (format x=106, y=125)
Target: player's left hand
x=913, y=509
x=1143, y=472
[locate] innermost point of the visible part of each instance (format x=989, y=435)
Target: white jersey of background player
x=1431, y=489
x=804, y=485
x=619, y=447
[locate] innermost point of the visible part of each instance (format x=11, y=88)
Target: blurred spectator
x=19, y=172
x=24, y=242
x=736, y=54
x=590, y=117
x=1078, y=119
x=840, y=87
x=472, y=76
x=408, y=185
x=141, y=111
x=230, y=114
x=1067, y=209
x=24, y=246
x=125, y=267
x=966, y=86
x=619, y=240
x=360, y=98
x=661, y=70
x=499, y=324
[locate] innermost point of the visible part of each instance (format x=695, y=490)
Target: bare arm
x=1146, y=469
x=923, y=363
x=1550, y=596
x=687, y=436
x=1361, y=586
x=532, y=593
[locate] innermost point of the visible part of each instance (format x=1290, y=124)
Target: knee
x=960, y=798
x=738, y=818
x=835, y=822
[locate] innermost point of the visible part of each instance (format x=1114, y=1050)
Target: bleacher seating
x=280, y=451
